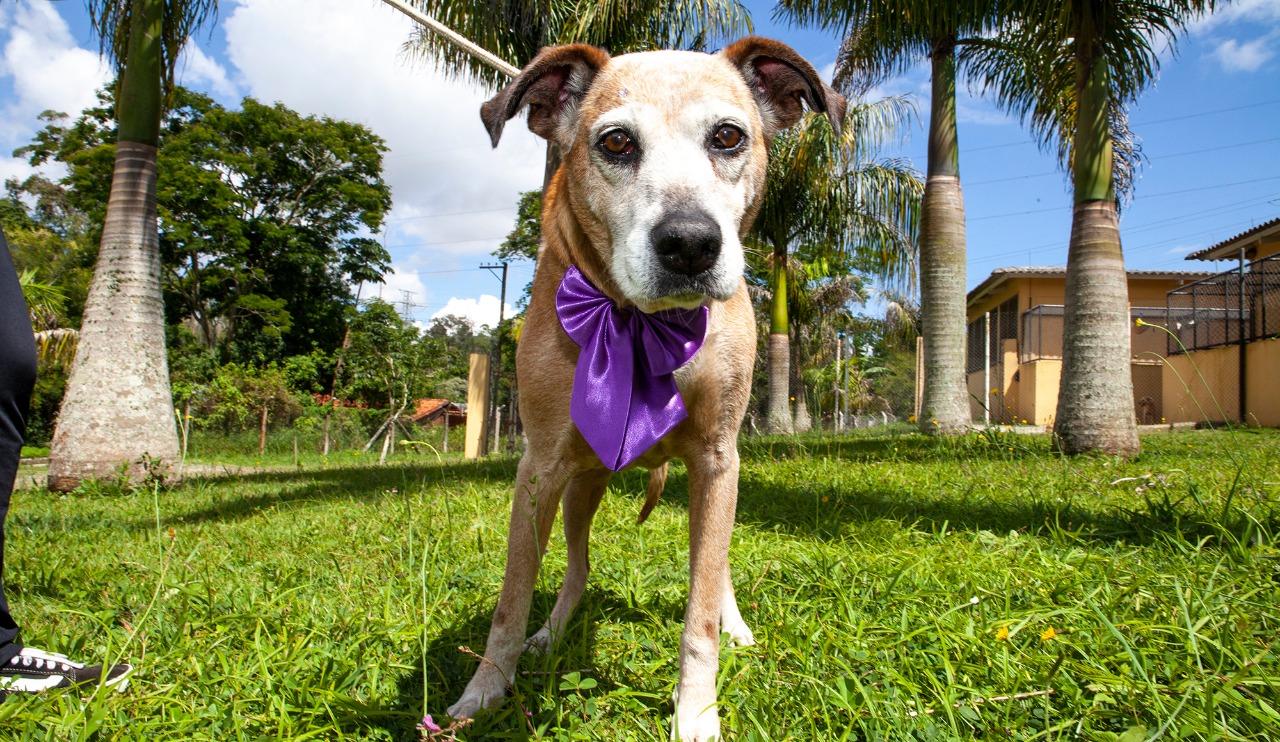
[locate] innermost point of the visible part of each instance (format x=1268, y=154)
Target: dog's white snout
x=687, y=242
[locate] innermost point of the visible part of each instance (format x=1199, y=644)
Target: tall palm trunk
x=118, y=404
x=945, y=407
x=1095, y=401
x=803, y=422
x=778, y=415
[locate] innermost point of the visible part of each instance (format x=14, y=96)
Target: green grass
x=324, y=603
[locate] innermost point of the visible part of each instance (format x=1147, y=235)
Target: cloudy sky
x=1210, y=128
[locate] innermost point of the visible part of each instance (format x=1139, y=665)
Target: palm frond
x=112, y=22
x=56, y=345
x=516, y=29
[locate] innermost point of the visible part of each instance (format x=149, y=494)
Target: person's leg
x=17, y=377
x=26, y=669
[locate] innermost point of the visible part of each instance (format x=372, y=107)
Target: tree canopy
x=265, y=216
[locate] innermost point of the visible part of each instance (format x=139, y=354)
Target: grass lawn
x=899, y=588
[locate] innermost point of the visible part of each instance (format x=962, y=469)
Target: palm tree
x=1070, y=69
x=820, y=295
x=886, y=38
x=118, y=407
x=45, y=302
x=827, y=193
x=515, y=30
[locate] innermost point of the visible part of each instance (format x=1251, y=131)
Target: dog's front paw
x=695, y=721
x=739, y=633
x=486, y=689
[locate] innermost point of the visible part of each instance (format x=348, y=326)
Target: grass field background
x=899, y=587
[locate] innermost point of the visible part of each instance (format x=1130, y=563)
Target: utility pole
x=497, y=347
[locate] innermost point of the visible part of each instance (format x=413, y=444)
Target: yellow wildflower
x=1002, y=634
x=1048, y=634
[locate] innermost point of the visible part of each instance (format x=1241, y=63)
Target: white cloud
x=200, y=71
x=45, y=67
x=482, y=312
x=1246, y=57
x=394, y=285
x=343, y=59
x=1265, y=12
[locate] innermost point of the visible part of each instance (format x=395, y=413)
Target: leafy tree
x=1070, y=69
x=118, y=406
x=828, y=194
x=50, y=240
x=261, y=212
x=523, y=241
x=821, y=292
x=881, y=39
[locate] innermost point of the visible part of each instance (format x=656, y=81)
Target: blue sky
x=1210, y=127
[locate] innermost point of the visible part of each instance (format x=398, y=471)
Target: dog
x=664, y=158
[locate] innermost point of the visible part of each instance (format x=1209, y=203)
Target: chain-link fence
x=1020, y=375
x=1212, y=323
x=992, y=366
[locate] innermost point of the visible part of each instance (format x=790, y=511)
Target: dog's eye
x=617, y=142
x=727, y=137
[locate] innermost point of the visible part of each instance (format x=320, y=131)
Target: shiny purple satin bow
x=624, y=390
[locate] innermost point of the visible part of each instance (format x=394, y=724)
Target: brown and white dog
x=663, y=171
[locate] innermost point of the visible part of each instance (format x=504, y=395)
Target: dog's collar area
x=624, y=397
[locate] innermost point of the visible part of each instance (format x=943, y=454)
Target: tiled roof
x=1000, y=275
x=1227, y=248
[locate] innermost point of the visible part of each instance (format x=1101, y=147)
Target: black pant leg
x=17, y=378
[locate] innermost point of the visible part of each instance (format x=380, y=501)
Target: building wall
x=1201, y=386
x=1039, y=398
x=1262, y=362
x=1215, y=398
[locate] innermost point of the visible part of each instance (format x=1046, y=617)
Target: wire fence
x=1232, y=307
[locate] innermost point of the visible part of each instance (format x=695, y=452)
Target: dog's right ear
x=552, y=86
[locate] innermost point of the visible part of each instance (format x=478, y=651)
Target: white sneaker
x=34, y=670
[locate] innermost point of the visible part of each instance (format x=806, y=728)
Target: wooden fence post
x=477, y=407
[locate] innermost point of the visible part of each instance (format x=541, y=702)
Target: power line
x=1144, y=196
x=451, y=213
x=1152, y=158
x=1140, y=124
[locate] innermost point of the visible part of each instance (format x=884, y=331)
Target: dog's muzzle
x=687, y=242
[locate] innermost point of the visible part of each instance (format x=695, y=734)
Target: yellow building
x=1218, y=362
x=1229, y=324
x=1015, y=342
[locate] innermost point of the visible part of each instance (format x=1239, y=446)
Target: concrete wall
x=1262, y=364
x=1039, y=401
x=1202, y=385
x=1220, y=369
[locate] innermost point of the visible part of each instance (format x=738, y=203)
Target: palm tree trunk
x=118, y=406
x=1095, y=401
x=945, y=408
x=778, y=415
x=803, y=423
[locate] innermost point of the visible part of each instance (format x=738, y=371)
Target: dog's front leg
x=713, y=490
x=581, y=500
x=533, y=511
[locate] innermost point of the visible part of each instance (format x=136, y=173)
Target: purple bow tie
x=624, y=390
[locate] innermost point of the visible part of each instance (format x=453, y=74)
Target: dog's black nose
x=687, y=242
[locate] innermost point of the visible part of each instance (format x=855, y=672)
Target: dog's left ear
x=782, y=82
x=552, y=86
